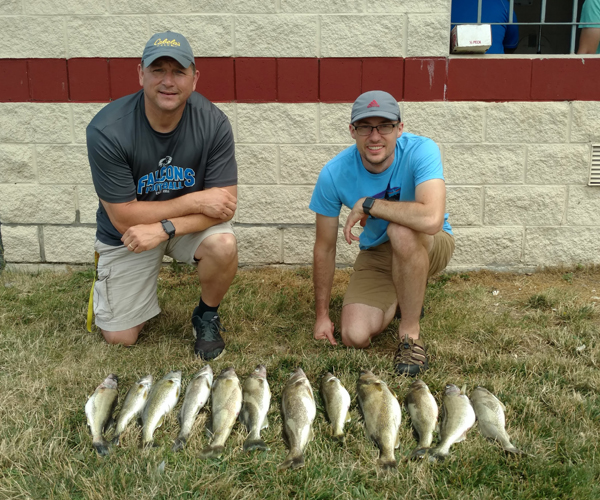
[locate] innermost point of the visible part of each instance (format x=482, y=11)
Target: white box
x=471, y=38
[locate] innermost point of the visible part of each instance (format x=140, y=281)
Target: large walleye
x=382, y=415
x=337, y=403
x=490, y=418
x=457, y=418
x=196, y=396
x=134, y=404
x=256, y=397
x=299, y=411
x=423, y=411
x=99, y=408
x=161, y=400
x=226, y=402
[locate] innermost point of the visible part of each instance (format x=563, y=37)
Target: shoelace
x=214, y=327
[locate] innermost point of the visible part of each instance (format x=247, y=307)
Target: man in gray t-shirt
x=164, y=168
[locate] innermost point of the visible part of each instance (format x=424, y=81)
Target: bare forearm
x=323, y=271
x=410, y=214
x=148, y=212
x=194, y=223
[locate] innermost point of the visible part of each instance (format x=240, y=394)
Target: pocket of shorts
x=102, y=308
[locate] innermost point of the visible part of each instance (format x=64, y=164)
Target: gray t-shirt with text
x=130, y=160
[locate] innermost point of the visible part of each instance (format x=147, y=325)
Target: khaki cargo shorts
x=372, y=284
x=125, y=291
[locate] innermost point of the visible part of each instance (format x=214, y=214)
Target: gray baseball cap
x=168, y=44
x=375, y=103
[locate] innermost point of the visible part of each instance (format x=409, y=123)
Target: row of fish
x=250, y=402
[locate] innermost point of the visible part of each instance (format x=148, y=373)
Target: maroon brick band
x=296, y=80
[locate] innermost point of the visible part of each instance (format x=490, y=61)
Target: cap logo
x=172, y=43
x=373, y=104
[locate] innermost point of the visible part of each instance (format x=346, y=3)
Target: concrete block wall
x=516, y=171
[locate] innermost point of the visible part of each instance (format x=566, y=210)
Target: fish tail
x=418, y=453
x=340, y=438
x=179, y=443
x=101, y=447
x=514, y=451
x=255, y=444
x=387, y=463
x=212, y=452
x=438, y=454
x=294, y=460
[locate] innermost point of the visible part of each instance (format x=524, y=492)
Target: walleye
x=99, y=408
x=299, y=411
x=490, y=418
x=161, y=400
x=226, y=402
x=196, y=396
x=423, y=411
x=458, y=417
x=337, y=403
x=256, y=397
x=382, y=415
x=134, y=404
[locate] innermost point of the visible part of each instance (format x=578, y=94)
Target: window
x=544, y=26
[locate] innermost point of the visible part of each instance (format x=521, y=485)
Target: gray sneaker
x=209, y=343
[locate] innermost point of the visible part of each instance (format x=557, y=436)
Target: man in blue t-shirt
x=589, y=42
x=505, y=37
x=394, y=185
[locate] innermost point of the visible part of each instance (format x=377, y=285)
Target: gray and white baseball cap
x=375, y=103
x=168, y=44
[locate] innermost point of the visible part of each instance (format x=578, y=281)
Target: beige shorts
x=125, y=291
x=372, y=284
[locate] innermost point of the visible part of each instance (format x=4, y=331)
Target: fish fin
x=111, y=422
x=179, y=444
x=311, y=434
x=294, y=460
x=265, y=424
x=255, y=444
x=463, y=390
x=418, y=453
x=160, y=422
x=397, y=443
x=462, y=437
x=348, y=418
x=436, y=454
x=101, y=447
x=212, y=452
x=115, y=440
x=515, y=451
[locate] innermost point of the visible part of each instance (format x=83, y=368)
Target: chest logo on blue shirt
x=391, y=194
x=166, y=178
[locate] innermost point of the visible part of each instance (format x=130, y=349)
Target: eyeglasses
x=383, y=129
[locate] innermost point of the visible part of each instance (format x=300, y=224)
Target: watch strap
x=168, y=227
x=368, y=204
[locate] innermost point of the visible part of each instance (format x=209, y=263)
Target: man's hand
x=356, y=215
x=144, y=237
x=324, y=330
x=217, y=203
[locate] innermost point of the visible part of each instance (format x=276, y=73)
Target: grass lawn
x=535, y=344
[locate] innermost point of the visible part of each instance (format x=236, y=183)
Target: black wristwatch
x=168, y=227
x=368, y=205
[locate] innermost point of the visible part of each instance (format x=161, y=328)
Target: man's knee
x=406, y=240
x=356, y=339
x=222, y=246
x=124, y=337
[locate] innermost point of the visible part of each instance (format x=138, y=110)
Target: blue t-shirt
x=344, y=180
x=492, y=11
x=590, y=13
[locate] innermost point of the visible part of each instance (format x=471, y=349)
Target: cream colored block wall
x=515, y=200
x=224, y=28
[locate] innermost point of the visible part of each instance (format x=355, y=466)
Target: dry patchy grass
x=534, y=344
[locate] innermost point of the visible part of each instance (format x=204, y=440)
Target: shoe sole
x=218, y=356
